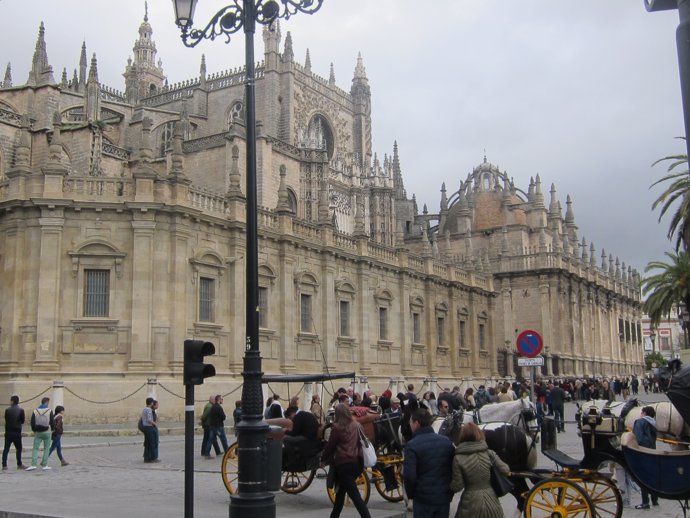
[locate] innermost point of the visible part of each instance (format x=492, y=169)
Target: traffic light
x=195, y=370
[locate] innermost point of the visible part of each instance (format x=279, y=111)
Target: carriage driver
x=303, y=439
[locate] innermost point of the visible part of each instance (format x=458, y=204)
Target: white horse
x=669, y=422
x=521, y=413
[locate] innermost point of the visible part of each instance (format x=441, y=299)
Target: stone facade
x=122, y=234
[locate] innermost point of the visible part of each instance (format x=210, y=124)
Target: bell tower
x=143, y=76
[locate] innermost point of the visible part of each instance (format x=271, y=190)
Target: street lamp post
x=252, y=499
x=683, y=48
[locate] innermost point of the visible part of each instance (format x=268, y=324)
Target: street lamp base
x=259, y=505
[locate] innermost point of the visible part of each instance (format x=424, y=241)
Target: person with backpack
x=481, y=397
x=42, y=423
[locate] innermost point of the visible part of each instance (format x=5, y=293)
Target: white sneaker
x=46, y=468
x=31, y=468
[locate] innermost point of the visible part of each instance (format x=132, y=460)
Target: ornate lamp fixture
x=252, y=499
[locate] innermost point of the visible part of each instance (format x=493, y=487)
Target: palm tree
x=668, y=287
x=678, y=189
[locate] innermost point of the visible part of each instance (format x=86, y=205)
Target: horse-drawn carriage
x=586, y=487
x=301, y=460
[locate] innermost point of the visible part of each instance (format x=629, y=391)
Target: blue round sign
x=529, y=343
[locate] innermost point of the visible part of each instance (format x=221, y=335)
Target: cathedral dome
x=483, y=201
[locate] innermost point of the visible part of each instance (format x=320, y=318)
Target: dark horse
x=511, y=443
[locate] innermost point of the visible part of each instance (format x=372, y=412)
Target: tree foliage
x=668, y=287
x=654, y=357
x=677, y=190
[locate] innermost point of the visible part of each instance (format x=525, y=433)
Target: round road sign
x=529, y=343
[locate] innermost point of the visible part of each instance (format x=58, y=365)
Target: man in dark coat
x=428, y=468
x=216, y=426
x=557, y=405
x=14, y=419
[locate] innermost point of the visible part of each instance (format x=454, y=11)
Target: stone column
x=288, y=311
x=58, y=397
x=308, y=393
x=142, y=291
x=152, y=388
x=49, y=273
x=180, y=290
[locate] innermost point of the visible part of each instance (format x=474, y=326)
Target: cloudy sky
x=584, y=93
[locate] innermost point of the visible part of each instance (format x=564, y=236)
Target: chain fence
x=103, y=402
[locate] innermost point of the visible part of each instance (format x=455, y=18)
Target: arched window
x=319, y=135
x=292, y=201
x=166, y=141
x=235, y=113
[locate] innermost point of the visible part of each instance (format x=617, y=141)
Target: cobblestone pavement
x=107, y=478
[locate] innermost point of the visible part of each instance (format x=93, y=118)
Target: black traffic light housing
x=195, y=370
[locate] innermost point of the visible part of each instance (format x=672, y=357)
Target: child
x=57, y=434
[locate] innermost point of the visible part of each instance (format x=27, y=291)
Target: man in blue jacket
x=644, y=429
x=428, y=468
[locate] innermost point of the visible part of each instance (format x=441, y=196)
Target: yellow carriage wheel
x=604, y=494
x=229, y=469
x=385, y=489
x=362, y=487
x=558, y=498
x=294, y=482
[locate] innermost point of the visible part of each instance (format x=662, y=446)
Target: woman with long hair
x=471, y=472
x=344, y=453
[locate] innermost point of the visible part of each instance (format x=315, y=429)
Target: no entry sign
x=529, y=343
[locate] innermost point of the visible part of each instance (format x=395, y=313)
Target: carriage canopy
x=679, y=392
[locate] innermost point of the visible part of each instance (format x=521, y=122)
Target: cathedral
x=122, y=233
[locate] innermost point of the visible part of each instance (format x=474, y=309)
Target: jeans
x=150, y=443
x=57, y=445
x=346, y=480
x=41, y=437
x=12, y=437
x=205, y=441
x=213, y=432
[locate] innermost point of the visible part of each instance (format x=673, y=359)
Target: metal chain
x=104, y=402
x=182, y=397
x=37, y=396
x=234, y=390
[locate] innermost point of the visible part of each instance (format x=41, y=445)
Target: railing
x=99, y=187
x=203, y=199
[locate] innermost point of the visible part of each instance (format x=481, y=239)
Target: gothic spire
x=569, y=214
x=398, y=184
x=307, y=63
x=82, y=65
x=288, y=53
x=360, y=71
x=331, y=78
x=93, y=70
x=41, y=72
x=63, y=79
x=553, y=203
x=8, y=76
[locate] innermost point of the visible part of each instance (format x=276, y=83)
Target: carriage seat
x=562, y=459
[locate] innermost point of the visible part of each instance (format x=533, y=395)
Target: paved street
x=107, y=478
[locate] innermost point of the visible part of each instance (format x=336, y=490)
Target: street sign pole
x=530, y=345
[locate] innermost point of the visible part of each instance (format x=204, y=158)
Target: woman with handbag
x=344, y=453
x=472, y=472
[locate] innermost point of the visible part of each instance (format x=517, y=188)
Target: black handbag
x=499, y=482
